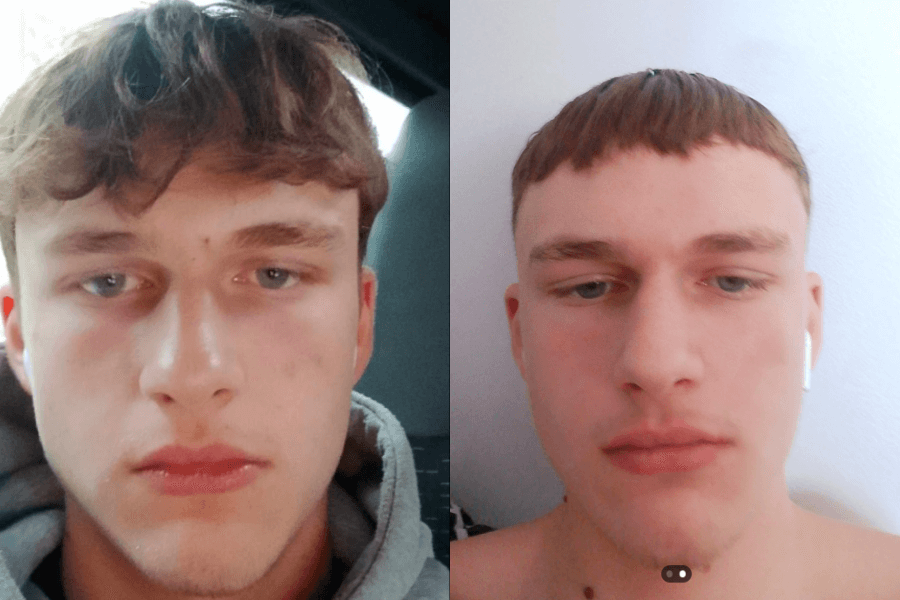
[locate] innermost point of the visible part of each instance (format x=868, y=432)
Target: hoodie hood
x=397, y=559
x=373, y=506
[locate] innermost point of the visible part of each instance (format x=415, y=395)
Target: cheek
x=80, y=433
x=317, y=334
x=769, y=401
x=762, y=364
x=299, y=365
x=563, y=364
x=289, y=369
x=562, y=352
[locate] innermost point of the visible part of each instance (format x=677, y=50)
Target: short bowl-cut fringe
x=669, y=111
x=136, y=95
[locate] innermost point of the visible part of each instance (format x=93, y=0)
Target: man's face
x=191, y=336
x=661, y=331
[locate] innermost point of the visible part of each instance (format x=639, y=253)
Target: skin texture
x=203, y=345
x=673, y=337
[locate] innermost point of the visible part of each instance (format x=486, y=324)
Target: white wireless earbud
x=807, y=363
x=27, y=363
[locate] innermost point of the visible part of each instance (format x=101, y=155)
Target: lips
x=215, y=469
x=215, y=459
x=676, y=434
x=208, y=469
x=666, y=459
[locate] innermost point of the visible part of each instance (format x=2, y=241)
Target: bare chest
x=839, y=561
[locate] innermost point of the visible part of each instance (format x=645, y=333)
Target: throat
x=635, y=561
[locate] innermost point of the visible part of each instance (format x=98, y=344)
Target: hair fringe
x=669, y=111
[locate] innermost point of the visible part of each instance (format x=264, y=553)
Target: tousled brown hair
x=138, y=94
x=669, y=111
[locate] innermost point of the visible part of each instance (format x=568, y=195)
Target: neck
x=751, y=553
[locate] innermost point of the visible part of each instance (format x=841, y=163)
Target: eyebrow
x=254, y=237
x=759, y=240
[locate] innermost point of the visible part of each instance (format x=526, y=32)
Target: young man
x=186, y=200
x=659, y=322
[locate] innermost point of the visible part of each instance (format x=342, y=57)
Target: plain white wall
x=830, y=71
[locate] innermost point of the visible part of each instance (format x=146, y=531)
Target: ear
x=15, y=345
x=815, y=306
x=511, y=299
x=365, y=331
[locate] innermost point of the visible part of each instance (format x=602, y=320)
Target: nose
x=190, y=358
x=659, y=355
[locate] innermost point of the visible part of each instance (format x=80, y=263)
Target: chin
x=697, y=554
x=654, y=549
x=205, y=578
x=220, y=562
x=656, y=539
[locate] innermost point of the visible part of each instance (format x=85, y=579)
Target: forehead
x=197, y=204
x=653, y=203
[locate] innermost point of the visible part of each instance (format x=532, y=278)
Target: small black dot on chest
x=588, y=592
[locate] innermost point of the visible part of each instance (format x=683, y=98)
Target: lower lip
x=665, y=459
x=179, y=483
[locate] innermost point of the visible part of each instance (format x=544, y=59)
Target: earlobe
x=365, y=334
x=816, y=306
x=16, y=354
x=511, y=299
x=368, y=289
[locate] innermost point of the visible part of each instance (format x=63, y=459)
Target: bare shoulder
x=493, y=565
x=853, y=561
x=876, y=557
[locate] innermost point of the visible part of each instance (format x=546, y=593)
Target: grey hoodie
x=382, y=548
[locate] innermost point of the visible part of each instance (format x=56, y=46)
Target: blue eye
x=590, y=290
x=743, y=284
x=107, y=285
x=273, y=278
x=737, y=287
